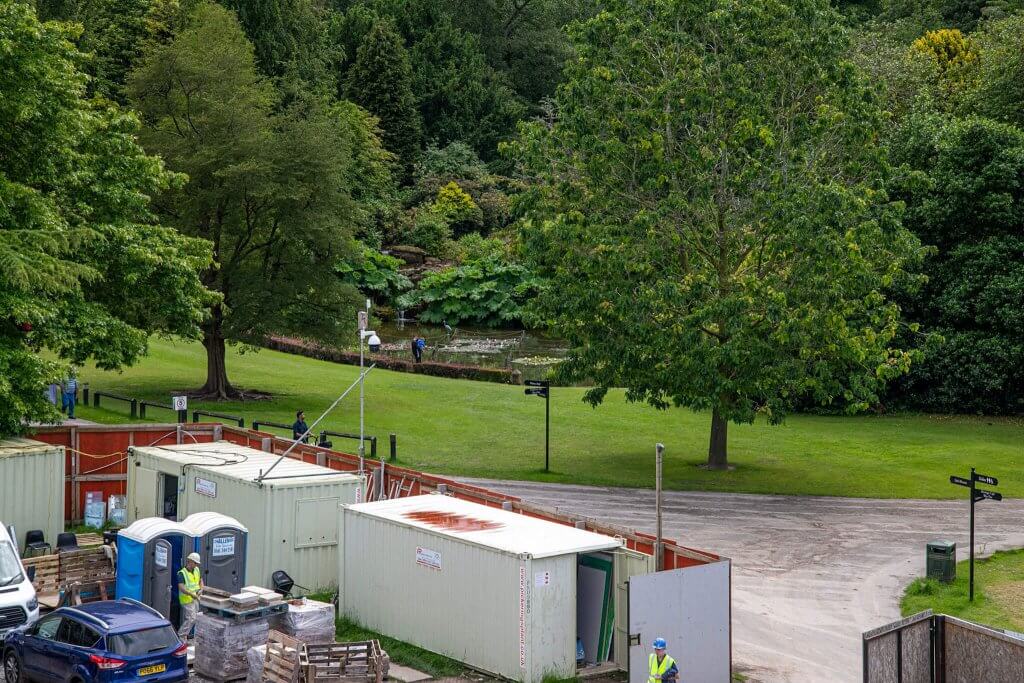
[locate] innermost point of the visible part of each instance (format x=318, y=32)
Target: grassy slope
x=488, y=430
x=998, y=592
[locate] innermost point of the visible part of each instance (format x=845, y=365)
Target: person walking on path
x=662, y=667
x=70, y=394
x=299, y=428
x=415, y=349
x=190, y=585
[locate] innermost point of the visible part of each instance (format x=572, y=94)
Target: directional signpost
x=976, y=495
x=542, y=387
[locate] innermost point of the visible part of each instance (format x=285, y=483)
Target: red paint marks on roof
x=451, y=521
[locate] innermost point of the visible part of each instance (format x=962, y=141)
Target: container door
x=159, y=577
x=146, y=493
x=628, y=563
x=689, y=608
x=224, y=559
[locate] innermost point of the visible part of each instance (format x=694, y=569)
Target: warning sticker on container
x=160, y=556
x=425, y=557
x=205, y=487
x=541, y=579
x=223, y=546
x=522, y=617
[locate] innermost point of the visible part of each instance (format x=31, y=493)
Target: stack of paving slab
x=222, y=645
x=308, y=621
x=265, y=596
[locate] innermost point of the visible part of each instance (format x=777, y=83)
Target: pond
x=532, y=352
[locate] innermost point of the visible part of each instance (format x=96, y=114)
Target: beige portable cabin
x=503, y=592
x=291, y=514
x=32, y=488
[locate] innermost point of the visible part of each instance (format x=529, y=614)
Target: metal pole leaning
x=659, y=450
x=309, y=430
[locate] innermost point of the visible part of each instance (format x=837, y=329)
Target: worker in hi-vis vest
x=190, y=585
x=662, y=667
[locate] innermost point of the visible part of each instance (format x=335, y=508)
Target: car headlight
x=33, y=604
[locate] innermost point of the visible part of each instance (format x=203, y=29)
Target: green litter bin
x=940, y=562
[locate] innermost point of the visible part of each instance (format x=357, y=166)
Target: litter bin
x=940, y=562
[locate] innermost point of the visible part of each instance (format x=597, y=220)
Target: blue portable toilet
x=149, y=554
x=221, y=542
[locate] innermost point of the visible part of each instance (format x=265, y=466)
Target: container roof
x=241, y=462
x=144, y=530
x=491, y=527
x=14, y=446
x=202, y=523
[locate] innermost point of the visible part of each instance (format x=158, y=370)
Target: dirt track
x=810, y=574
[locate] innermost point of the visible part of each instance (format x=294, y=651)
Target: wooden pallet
x=242, y=615
x=47, y=578
x=357, y=662
x=88, y=540
x=281, y=664
x=83, y=566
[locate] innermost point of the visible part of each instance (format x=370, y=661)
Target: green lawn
x=481, y=429
x=998, y=592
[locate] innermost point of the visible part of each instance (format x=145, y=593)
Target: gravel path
x=810, y=574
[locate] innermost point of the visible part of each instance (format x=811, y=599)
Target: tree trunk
x=717, y=449
x=217, y=385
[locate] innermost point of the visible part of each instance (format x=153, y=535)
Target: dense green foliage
x=381, y=82
x=85, y=273
x=490, y=291
x=377, y=274
x=722, y=241
x=267, y=186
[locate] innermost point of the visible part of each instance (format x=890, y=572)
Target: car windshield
x=10, y=565
x=139, y=643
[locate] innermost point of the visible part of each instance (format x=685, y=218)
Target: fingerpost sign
x=976, y=496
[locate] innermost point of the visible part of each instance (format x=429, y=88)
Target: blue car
x=114, y=641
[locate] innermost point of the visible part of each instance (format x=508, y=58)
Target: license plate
x=155, y=669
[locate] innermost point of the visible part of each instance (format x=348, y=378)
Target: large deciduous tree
x=268, y=188
x=709, y=210
x=85, y=272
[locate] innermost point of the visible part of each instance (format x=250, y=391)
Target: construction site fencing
x=97, y=461
x=936, y=648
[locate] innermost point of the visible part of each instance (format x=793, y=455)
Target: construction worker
x=190, y=585
x=661, y=666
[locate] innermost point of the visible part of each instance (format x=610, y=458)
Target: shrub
x=375, y=274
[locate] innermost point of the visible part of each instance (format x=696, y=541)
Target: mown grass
x=478, y=429
x=998, y=592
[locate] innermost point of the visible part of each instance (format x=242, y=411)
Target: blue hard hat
x=659, y=644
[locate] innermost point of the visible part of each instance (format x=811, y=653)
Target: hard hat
x=195, y=558
x=659, y=644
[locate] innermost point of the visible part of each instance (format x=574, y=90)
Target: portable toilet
x=149, y=554
x=221, y=543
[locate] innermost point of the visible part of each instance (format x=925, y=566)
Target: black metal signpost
x=542, y=387
x=976, y=495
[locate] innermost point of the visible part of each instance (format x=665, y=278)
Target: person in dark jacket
x=300, y=427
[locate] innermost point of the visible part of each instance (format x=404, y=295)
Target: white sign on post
x=179, y=402
x=363, y=320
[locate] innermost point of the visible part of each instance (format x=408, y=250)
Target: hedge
x=451, y=370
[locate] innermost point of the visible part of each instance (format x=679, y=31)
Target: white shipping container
x=32, y=488
x=292, y=516
x=494, y=589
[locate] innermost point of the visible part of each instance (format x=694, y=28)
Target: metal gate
x=935, y=648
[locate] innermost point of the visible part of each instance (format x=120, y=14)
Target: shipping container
x=503, y=592
x=32, y=488
x=291, y=512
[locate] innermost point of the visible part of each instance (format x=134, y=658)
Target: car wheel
x=12, y=668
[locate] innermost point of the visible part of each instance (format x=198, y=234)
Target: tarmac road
x=810, y=574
